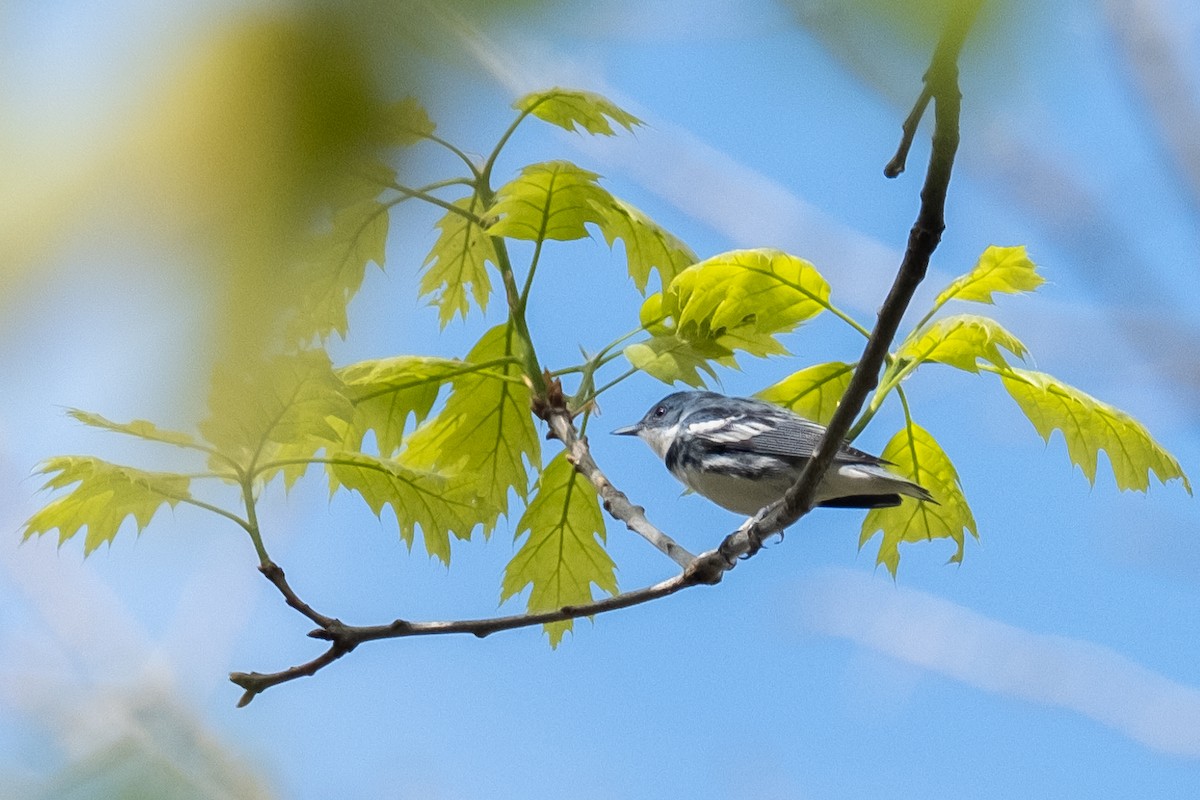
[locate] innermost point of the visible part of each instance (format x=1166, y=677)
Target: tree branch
x=941, y=86
x=344, y=638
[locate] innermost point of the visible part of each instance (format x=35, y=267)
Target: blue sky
x=1059, y=660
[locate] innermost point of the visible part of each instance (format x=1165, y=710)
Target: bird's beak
x=628, y=430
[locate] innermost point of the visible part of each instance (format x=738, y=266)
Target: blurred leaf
x=1000, y=269
x=813, y=392
x=916, y=455
x=283, y=407
x=572, y=109
x=484, y=437
x=1089, y=426
x=105, y=495
x=671, y=359
x=406, y=122
x=647, y=245
x=334, y=267
x=960, y=341
x=386, y=392
x=264, y=126
x=138, y=427
x=564, y=553
x=550, y=200
x=417, y=498
x=459, y=259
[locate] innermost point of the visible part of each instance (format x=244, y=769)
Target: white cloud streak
x=943, y=637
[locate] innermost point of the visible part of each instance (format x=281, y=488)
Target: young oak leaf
x=564, y=553
x=572, y=109
x=484, y=435
x=674, y=360
x=105, y=495
x=813, y=392
x=648, y=246
x=140, y=428
x=549, y=200
x=915, y=454
x=458, y=262
x=1089, y=426
x=333, y=266
x=734, y=301
x=284, y=408
x=1000, y=269
x=961, y=341
x=768, y=290
x=418, y=499
x=387, y=392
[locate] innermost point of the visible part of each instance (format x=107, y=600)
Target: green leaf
x=283, y=407
x=406, y=123
x=572, y=109
x=105, y=496
x=1000, y=269
x=671, y=359
x=814, y=392
x=1089, y=426
x=648, y=246
x=916, y=455
x=387, y=392
x=758, y=293
x=735, y=301
x=458, y=262
x=333, y=267
x=417, y=498
x=960, y=341
x=138, y=427
x=564, y=553
x=485, y=435
x=550, y=200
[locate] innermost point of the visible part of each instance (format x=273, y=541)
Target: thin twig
x=274, y=574
x=345, y=638
x=909, y=132
x=615, y=501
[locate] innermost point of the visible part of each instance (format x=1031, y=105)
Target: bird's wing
x=769, y=431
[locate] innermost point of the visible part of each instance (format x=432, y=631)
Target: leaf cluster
x=449, y=446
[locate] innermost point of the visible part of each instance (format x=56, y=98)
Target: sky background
x=1058, y=660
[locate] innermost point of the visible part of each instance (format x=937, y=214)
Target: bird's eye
x=658, y=412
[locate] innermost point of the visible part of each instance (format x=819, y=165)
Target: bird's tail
x=888, y=482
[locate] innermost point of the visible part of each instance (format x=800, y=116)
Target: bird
x=744, y=454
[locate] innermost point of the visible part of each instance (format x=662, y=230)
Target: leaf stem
x=420, y=194
x=626, y=374
x=533, y=265
x=485, y=175
x=251, y=524
x=849, y=320
x=456, y=151
x=216, y=510
x=516, y=315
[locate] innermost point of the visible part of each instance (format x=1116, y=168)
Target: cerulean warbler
x=745, y=454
